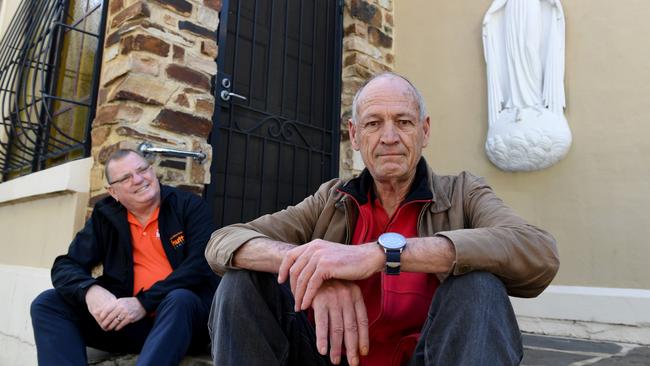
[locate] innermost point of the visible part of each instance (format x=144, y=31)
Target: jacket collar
x=422, y=188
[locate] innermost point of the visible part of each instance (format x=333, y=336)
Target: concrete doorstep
x=539, y=350
x=559, y=351
x=100, y=358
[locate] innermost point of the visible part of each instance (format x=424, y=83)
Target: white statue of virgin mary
x=523, y=41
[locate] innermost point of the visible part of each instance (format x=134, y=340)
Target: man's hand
x=110, y=312
x=127, y=310
x=98, y=300
x=340, y=316
x=309, y=265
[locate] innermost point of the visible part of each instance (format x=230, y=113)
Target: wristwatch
x=393, y=244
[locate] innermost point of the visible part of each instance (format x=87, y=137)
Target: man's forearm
x=261, y=254
x=434, y=254
x=310, y=265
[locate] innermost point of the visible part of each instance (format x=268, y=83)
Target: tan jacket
x=487, y=234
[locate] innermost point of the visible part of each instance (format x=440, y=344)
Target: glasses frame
x=129, y=176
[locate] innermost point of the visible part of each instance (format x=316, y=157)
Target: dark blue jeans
x=470, y=322
x=63, y=331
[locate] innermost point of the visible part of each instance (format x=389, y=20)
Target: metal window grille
x=50, y=58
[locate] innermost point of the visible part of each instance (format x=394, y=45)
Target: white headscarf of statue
x=523, y=41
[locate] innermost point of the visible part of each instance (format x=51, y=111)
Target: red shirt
x=397, y=305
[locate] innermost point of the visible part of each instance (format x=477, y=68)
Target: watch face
x=392, y=241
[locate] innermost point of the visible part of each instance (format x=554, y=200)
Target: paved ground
x=555, y=351
x=538, y=351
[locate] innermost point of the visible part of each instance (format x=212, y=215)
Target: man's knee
x=475, y=284
x=242, y=289
x=237, y=278
x=43, y=302
x=182, y=299
x=477, y=293
x=233, y=279
x=472, y=312
x=240, y=283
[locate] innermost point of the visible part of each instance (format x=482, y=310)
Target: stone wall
x=367, y=50
x=156, y=80
x=158, y=63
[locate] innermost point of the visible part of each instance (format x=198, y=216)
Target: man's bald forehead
x=401, y=86
x=405, y=87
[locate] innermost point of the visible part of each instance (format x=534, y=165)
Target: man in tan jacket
x=397, y=266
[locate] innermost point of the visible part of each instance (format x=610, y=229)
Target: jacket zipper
x=348, y=224
x=421, y=216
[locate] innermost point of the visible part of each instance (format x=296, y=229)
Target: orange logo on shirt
x=177, y=239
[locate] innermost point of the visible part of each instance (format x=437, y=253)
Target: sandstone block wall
x=159, y=60
x=158, y=63
x=367, y=50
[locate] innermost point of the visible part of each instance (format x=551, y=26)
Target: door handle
x=147, y=148
x=225, y=96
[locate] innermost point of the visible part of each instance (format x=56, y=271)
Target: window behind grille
x=49, y=72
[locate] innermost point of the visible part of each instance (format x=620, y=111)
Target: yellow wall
x=35, y=231
x=41, y=212
x=597, y=200
x=7, y=11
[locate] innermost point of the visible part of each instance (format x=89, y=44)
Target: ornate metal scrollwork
x=281, y=129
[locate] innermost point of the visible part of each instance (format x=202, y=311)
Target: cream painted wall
x=7, y=11
x=40, y=229
x=39, y=215
x=41, y=212
x=596, y=200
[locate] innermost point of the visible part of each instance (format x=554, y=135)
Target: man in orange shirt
x=154, y=295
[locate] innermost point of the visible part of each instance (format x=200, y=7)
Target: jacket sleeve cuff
x=471, y=252
x=82, y=289
x=463, y=262
x=149, y=305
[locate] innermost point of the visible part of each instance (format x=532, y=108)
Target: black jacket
x=185, y=224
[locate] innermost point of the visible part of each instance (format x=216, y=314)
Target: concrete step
x=101, y=358
x=540, y=350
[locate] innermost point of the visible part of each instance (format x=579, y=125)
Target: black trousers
x=470, y=322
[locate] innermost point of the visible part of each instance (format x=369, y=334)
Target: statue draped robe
x=523, y=42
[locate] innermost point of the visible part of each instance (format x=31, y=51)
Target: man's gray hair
x=118, y=155
x=388, y=74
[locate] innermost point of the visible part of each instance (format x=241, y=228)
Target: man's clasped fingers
x=119, y=317
x=341, y=320
x=120, y=313
x=300, y=272
x=307, y=266
x=288, y=262
x=110, y=317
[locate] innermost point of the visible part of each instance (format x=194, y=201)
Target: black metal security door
x=276, y=125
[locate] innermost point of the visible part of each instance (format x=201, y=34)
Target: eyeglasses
x=129, y=177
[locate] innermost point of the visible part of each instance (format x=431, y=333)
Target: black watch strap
x=393, y=262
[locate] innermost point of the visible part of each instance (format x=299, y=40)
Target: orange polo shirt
x=150, y=263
